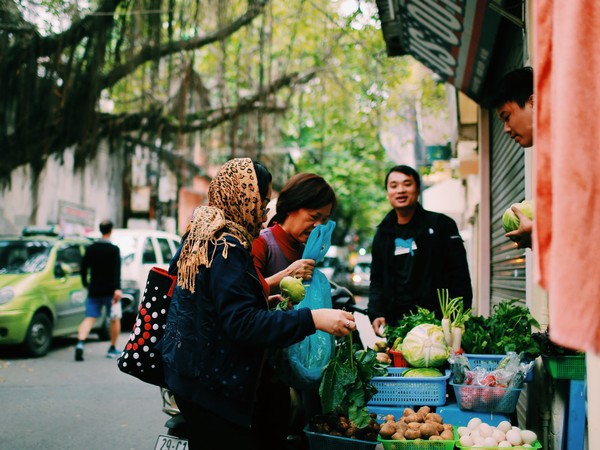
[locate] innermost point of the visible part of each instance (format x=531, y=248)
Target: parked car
x=41, y=293
x=360, y=277
x=140, y=251
x=335, y=265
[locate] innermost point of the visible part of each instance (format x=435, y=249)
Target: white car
x=140, y=251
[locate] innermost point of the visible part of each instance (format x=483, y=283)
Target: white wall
x=97, y=187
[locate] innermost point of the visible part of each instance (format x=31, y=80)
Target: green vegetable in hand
x=292, y=289
x=510, y=221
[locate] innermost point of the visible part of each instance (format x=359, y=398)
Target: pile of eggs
x=480, y=434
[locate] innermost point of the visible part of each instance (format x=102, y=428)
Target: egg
x=466, y=441
x=462, y=431
x=529, y=437
x=503, y=444
x=499, y=435
x=490, y=441
x=474, y=423
x=504, y=426
x=484, y=430
x=514, y=437
x=526, y=446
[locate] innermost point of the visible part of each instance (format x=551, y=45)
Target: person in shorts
x=103, y=261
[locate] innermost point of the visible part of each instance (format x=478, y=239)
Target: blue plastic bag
x=308, y=358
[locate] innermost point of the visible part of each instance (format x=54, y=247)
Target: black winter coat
x=439, y=262
x=215, y=339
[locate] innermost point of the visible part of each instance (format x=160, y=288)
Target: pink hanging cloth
x=567, y=178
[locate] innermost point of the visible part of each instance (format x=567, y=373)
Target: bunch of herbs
x=508, y=329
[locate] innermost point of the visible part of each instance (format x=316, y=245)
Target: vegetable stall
x=449, y=383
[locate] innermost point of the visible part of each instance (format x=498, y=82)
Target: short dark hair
x=303, y=190
x=263, y=177
x=515, y=86
x=406, y=170
x=106, y=226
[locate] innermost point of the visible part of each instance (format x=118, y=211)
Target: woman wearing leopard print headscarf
x=219, y=325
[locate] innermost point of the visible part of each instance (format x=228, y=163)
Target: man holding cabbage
x=513, y=101
x=415, y=252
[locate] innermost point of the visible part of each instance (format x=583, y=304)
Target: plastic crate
x=565, y=367
x=318, y=441
x=416, y=445
x=486, y=398
x=490, y=362
x=395, y=390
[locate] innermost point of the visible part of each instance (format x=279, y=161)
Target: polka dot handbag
x=140, y=358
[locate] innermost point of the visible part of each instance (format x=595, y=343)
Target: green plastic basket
x=565, y=367
x=416, y=445
x=535, y=445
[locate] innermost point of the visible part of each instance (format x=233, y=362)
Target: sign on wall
x=454, y=38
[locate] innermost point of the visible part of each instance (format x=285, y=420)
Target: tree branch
x=149, y=53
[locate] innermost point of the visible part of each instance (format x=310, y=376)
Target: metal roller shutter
x=507, y=265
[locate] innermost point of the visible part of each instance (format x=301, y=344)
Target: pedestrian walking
x=103, y=261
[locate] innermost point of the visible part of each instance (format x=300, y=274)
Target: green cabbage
x=510, y=221
x=425, y=346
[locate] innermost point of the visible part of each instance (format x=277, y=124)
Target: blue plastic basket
x=486, y=398
x=490, y=362
x=395, y=390
x=318, y=441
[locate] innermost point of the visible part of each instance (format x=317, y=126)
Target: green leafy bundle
x=346, y=385
x=508, y=329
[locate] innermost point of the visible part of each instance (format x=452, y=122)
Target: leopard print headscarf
x=234, y=208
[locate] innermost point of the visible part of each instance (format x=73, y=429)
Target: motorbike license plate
x=166, y=442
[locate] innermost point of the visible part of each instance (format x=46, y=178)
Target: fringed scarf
x=234, y=209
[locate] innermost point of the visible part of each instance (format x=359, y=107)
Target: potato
x=434, y=417
x=398, y=436
x=447, y=435
x=387, y=430
x=447, y=426
x=424, y=409
x=413, y=418
x=428, y=430
x=390, y=417
x=414, y=426
x=436, y=438
x=412, y=434
x=408, y=412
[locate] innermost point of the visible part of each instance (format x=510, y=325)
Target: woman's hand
x=522, y=235
x=334, y=321
x=302, y=268
x=378, y=326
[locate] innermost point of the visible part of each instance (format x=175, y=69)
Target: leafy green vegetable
x=395, y=335
x=508, y=329
x=346, y=385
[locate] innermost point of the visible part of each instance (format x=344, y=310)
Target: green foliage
x=346, y=385
x=508, y=329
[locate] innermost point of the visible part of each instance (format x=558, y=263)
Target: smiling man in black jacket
x=415, y=252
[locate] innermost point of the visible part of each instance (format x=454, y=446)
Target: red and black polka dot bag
x=140, y=358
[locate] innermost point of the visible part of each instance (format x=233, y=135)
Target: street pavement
x=54, y=402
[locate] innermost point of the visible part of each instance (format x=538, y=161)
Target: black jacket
x=102, y=259
x=439, y=262
x=215, y=338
